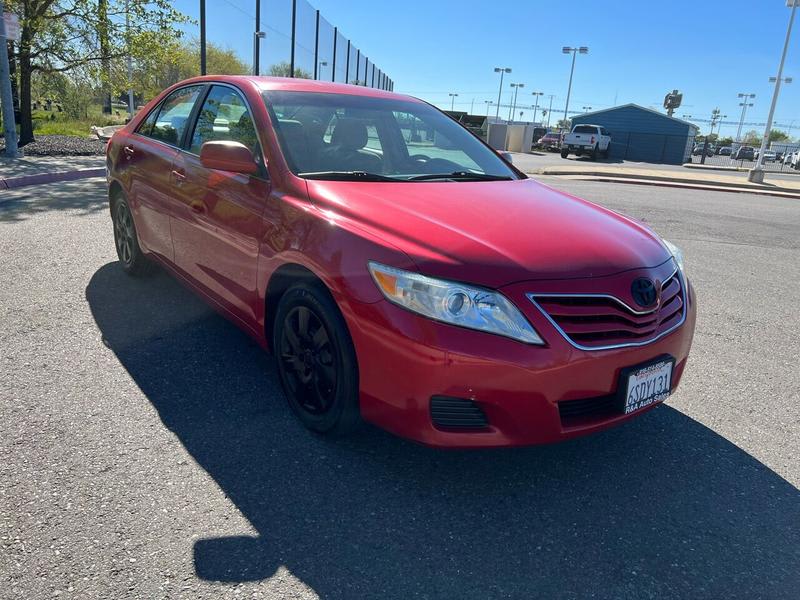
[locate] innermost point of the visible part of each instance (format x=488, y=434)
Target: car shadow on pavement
x=85, y=196
x=661, y=507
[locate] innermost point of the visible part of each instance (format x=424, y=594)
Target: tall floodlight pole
x=256, y=65
x=512, y=110
x=488, y=104
x=550, y=108
x=536, y=106
x=502, y=71
x=744, y=104
x=128, y=59
x=202, y=37
x=257, y=36
x=757, y=173
x=574, y=52
x=9, y=125
x=452, y=101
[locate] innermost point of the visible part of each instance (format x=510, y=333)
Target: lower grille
x=576, y=412
x=457, y=413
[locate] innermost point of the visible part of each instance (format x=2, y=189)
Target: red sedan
x=401, y=272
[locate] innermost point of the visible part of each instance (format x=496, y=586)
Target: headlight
x=454, y=303
x=677, y=254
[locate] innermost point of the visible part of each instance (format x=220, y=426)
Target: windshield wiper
x=461, y=176
x=347, y=176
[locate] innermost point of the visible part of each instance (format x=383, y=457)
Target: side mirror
x=506, y=156
x=228, y=156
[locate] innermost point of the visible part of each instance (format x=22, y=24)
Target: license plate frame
x=635, y=381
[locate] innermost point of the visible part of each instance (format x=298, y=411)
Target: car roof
x=296, y=84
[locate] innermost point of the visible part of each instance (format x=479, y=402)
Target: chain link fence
x=299, y=41
x=777, y=157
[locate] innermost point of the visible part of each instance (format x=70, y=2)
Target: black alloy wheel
x=316, y=360
x=126, y=241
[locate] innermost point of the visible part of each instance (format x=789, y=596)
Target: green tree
x=179, y=59
x=283, y=69
x=726, y=141
x=752, y=138
x=776, y=135
x=60, y=36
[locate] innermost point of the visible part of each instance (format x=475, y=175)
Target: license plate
x=647, y=385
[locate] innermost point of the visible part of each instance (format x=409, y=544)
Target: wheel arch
x=115, y=192
x=283, y=278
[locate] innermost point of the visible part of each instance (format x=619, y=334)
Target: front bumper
x=405, y=359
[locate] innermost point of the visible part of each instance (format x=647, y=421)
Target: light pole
x=452, y=101
x=258, y=35
x=744, y=104
x=757, y=173
x=550, y=109
x=574, y=52
x=322, y=63
x=513, y=108
x=719, y=123
x=9, y=128
x=488, y=104
x=502, y=71
x=536, y=106
x=587, y=108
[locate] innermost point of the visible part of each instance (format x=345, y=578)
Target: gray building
x=642, y=134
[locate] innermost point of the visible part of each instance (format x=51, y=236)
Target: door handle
x=197, y=207
x=178, y=177
x=128, y=151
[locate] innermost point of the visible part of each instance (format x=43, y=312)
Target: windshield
x=340, y=136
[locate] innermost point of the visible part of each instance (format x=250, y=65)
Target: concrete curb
x=38, y=179
x=675, y=182
x=688, y=186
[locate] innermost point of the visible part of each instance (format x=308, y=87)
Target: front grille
x=596, y=321
x=457, y=413
x=575, y=412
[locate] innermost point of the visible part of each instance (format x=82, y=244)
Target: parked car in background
x=769, y=156
x=725, y=151
x=744, y=153
x=698, y=149
x=430, y=288
x=591, y=140
x=550, y=141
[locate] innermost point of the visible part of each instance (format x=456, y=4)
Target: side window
x=373, y=140
x=146, y=126
x=224, y=116
x=174, y=115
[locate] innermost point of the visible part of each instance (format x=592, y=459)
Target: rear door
x=148, y=156
x=218, y=226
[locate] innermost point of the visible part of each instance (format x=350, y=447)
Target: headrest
x=349, y=134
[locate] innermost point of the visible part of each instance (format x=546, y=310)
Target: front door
x=148, y=157
x=218, y=225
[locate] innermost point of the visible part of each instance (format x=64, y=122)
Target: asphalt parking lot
x=146, y=450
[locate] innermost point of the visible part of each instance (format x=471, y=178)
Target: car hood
x=493, y=233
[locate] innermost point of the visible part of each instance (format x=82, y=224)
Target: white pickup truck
x=586, y=139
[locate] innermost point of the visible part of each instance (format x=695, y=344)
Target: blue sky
x=638, y=50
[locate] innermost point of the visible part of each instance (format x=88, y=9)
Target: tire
x=593, y=153
x=316, y=360
x=126, y=240
x=564, y=153
x=605, y=152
